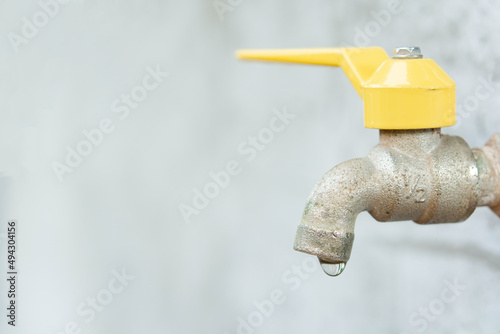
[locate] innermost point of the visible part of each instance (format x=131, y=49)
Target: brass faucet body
x=420, y=175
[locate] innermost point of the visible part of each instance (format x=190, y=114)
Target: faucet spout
x=327, y=226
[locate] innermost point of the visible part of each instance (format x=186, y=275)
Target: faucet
x=414, y=173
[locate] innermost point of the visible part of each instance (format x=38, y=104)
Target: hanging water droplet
x=332, y=269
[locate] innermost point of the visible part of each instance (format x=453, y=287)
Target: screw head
x=407, y=52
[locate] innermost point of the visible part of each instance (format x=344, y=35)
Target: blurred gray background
x=118, y=209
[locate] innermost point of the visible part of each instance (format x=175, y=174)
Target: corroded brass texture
x=419, y=175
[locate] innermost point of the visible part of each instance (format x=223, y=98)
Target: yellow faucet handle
x=359, y=64
x=405, y=92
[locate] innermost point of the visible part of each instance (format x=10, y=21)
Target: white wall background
x=119, y=208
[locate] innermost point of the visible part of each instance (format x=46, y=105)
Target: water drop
x=332, y=269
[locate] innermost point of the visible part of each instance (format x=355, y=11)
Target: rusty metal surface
x=419, y=175
x=488, y=162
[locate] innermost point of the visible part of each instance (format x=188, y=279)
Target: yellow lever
x=358, y=64
x=406, y=92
